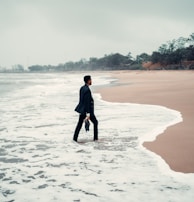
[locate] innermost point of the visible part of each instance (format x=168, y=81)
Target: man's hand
x=88, y=116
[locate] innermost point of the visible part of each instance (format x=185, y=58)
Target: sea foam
x=40, y=162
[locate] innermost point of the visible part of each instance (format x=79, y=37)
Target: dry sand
x=173, y=89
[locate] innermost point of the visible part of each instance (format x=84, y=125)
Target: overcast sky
x=57, y=31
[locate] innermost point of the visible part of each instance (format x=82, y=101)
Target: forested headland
x=174, y=54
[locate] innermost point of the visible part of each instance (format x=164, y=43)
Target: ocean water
x=40, y=162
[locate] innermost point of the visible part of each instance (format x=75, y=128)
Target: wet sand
x=173, y=89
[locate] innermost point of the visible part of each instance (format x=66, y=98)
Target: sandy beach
x=173, y=89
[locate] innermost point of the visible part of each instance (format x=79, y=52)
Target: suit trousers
x=80, y=123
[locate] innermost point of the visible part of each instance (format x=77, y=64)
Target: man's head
x=88, y=80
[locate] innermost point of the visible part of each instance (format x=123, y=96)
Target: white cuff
x=88, y=114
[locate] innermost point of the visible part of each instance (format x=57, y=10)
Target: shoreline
x=171, y=89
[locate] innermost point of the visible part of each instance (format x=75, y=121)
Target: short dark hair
x=87, y=78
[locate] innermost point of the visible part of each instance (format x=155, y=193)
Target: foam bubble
x=39, y=160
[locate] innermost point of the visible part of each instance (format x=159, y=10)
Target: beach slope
x=173, y=89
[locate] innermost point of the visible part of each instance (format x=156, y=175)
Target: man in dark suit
x=86, y=108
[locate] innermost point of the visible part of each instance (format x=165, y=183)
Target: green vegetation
x=175, y=54
x=108, y=62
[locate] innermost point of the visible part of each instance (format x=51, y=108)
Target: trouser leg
x=95, y=122
x=78, y=127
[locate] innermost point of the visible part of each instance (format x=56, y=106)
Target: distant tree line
x=108, y=62
x=15, y=68
x=175, y=54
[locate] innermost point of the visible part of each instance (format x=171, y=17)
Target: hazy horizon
x=52, y=32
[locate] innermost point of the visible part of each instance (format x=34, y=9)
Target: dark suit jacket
x=86, y=102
